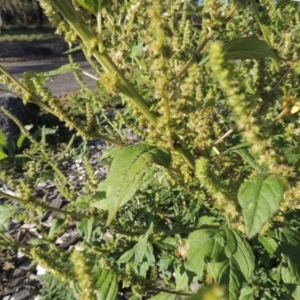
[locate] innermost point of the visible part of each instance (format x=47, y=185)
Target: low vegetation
x=206, y=205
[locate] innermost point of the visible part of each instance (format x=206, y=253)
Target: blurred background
x=21, y=13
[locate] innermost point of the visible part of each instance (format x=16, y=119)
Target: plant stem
x=44, y=206
x=152, y=288
x=68, y=12
x=33, y=98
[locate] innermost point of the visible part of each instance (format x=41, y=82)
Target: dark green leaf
x=128, y=171
x=290, y=246
x=260, y=198
x=248, y=48
x=107, y=285
x=11, y=147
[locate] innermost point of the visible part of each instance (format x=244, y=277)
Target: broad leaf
x=247, y=293
x=128, y=171
x=107, y=285
x=227, y=253
x=290, y=247
x=248, y=48
x=6, y=212
x=269, y=244
x=204, y=245
x=181, y=277
x=260, y=198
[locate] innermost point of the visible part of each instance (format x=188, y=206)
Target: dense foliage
x=206, y=205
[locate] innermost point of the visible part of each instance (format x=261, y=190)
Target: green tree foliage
x=205, y=206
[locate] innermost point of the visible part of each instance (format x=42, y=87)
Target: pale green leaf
x=85, y=228
x=181, y=277
x=37, y=242
x=128, y=171
x=107, y=285
x=2, y=139
x=248, y=48
x=101, y=204
x=247, y=293
x=6, y=212
x=290, y=247
x=67, y=68
x=126, y=256
x=3, y=154
x=55, y=224
x=269, y=244
x=21, y=140
x=260, y=198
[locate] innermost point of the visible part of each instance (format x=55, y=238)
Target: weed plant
x=206, y=205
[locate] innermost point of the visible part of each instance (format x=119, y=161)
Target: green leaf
x=227, y=253
x=226, y=273
x=85, y=228
x=181, y=277
x=248, y=158
x=3, y=154
x=21, y=140
x=92, y=5
x=2, y=139
x=107, y=285
x=11, y=147
x=269, y=244
x=126, y=256
x=248, y=48
x=67, y=68
x=247, y=293
x=290, y=246
x=6, y=212
x=37, y=242
x=128, y=171
x=55, y=224
x=260, y=198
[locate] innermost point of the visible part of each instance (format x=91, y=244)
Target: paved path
x=58, y=85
